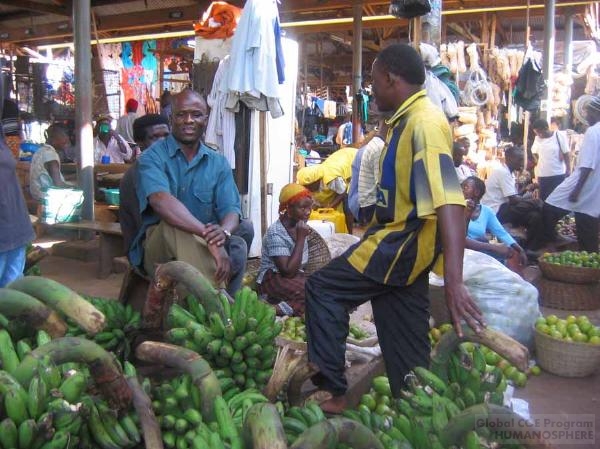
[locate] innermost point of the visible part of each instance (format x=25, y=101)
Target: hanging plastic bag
x=508, y=303
x=407, y=9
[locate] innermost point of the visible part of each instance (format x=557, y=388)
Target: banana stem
x=195, y=283
x=148, y=421
x=504, y=345
x=330, y=432
x=488, y=415
x=188, y=362
x=285, y=364
x=23, y=307
x=63, y=300
x=263, y=428
x=304, y=372
x=103, y=367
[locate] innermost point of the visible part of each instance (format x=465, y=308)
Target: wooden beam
x=38, y=7
x=462, y=31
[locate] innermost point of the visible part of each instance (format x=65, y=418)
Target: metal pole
x=568, y=49
x=83, y=104
x=356, y=69
x=549, y=35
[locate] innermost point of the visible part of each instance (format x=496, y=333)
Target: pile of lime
x=572, y=328
x=573, y=259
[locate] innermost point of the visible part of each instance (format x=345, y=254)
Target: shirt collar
x=173, y=147
x=405, y=106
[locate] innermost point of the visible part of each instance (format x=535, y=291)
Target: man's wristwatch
x=227, y=234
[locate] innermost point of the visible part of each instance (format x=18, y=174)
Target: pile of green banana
x=297, y=419
x=54, y=412
x=120, y=322
x=428, y=404
x=356, y=332
x=176, y=404
x=243, y=347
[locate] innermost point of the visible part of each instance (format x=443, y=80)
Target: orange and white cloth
x=219, y=21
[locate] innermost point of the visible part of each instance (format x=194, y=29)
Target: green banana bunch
x=297, y=419
x=243, y=347
x=120, y=322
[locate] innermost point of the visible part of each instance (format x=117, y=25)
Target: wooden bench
x=111, y=241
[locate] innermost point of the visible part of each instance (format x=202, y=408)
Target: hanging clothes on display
x=220, y=130
x=530, y=85
x=254, y=77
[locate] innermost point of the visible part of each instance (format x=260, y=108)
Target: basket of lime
x=573, y=267
x=567, y=347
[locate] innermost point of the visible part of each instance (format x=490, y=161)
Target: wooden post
x=356, y=69
x=526, y=113
x=485, y=39
x=262, y=142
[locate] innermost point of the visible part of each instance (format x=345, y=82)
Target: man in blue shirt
x=189, y=202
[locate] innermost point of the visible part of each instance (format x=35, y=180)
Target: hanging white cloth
x=220, y=130
x=253, y=53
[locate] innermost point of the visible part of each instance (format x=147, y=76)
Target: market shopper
x=15, y=226
x=550, y=151
x=188, y=200
x=284, y=253
x=329, y=181
x=125, y=122
x=580, y=192
x=109, y=147
x=460, y=148
x=510, y=205
x=147, y=129
x=420, y=209
x=483, y=221
x=45, y=171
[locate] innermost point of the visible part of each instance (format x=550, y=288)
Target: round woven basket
x=564, y=358
x=560, y=295
x=571, y=275
x=318, y=252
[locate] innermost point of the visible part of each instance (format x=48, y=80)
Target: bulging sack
x=508, y=302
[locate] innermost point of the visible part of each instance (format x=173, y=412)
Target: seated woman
x=483, y=220
x=285, y=252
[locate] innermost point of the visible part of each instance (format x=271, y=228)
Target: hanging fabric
x=530, y=85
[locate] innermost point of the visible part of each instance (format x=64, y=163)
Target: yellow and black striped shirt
x=416, y=177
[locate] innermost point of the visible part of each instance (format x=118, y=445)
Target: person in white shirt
x=108, y=143
x=504, y=199
x=125, y=122
x=580, y=192
x=550, y=151
x=45, y=171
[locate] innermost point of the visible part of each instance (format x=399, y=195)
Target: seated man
x=189, y=202
x=146, y=130
x=508, y=204
x=109, y=144
x=45, y=163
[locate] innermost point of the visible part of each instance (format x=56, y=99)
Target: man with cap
x=579, y=192
x=125, y=122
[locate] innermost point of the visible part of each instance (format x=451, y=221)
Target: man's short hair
x=54, y=131
x=540, y=124
x=141, y=123
x=404, y=61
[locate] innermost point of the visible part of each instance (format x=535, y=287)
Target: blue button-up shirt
x=204, y=185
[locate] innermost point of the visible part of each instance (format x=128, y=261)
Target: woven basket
x=571, y=275
x=560, y=295
x=564, y=358
x=318, y=253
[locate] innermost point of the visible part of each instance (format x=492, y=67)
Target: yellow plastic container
x=328, y=214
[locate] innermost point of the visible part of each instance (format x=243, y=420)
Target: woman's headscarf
x=292, y=193
x=308, y=175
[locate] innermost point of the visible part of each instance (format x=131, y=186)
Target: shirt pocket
x=203, y=204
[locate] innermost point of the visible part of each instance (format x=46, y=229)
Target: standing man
x=188, y=201
x=419, y=211
x=147, y=129
x=551, y=153
x=125, y=122
x=580, y=192
x=108, y=143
